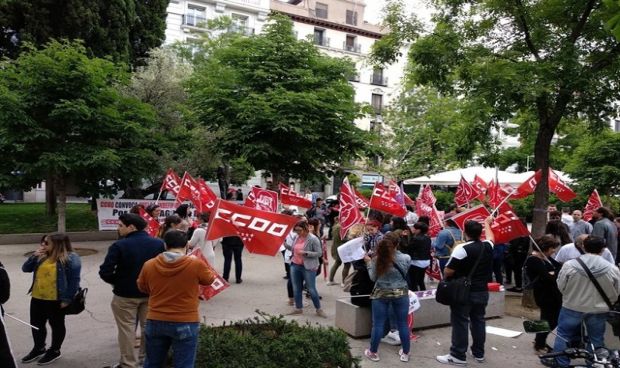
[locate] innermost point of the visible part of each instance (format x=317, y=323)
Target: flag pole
x=503, y=201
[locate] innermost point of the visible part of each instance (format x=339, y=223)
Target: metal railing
x=323, y=41
x=194, y=20
x=378, y=80
x=356, y=47
x=247, y=31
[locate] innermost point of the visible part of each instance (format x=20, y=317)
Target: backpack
x=311, y=213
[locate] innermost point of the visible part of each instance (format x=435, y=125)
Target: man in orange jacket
x=171, y=280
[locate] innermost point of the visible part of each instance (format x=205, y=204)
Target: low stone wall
x=357, y=321
x=76, y=236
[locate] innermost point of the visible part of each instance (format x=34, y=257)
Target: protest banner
x=108, y=210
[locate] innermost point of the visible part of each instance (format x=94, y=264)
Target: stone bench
x=357, y=321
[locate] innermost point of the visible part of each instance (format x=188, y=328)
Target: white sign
x=352, y=250
x=108, y=210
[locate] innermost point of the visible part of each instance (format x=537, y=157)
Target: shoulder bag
x=456, y=290
x=612, y=318
x=78, y=303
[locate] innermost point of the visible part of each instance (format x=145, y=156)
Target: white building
x=186, y=18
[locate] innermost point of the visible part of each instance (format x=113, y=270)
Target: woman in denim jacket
x=388, y=269
x=56, y=279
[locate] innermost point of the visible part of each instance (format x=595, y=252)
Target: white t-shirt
x=569, y=251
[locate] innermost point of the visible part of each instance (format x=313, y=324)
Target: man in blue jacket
x=121, y=268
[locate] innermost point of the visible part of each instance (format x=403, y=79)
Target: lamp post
x=527, y=162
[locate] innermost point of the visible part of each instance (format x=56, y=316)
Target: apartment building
x=186, y=18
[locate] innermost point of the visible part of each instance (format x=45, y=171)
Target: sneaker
x=320, y=313
x=390, y=341
x=330, y=283
x=394, y=336
x=33, y=355
x=370, y=355
x=49, y=357
x=479, y=360
x=403, y=357
x=295, y=312
x=515, y=290
x=449, y=359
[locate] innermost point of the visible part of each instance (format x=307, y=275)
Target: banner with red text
x=108, y=210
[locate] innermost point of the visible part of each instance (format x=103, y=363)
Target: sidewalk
x=91, y=336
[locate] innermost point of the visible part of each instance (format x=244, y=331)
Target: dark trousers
x=229, y=252
x=517, y=268
x=497, y=270
x=6, y=356
x=469, y=315
x=41, y=312
x=416, y=278
x=549, y=312
x=289, y=283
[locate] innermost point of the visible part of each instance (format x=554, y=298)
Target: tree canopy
x=535, y=63
x=124, y=30
x=278, y=102
x=595, y=164
x=65, y=120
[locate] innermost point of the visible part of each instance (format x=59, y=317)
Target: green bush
x=267, y=341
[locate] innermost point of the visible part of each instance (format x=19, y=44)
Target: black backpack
x=361, y=285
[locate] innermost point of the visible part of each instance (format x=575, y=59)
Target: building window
x=240, y=25
x=321, y=10
x=319, y=37
x=352, y=17
x=377, y=77
x=377, y=103
x=195, y=16
x=617, y=126
x=351, y=45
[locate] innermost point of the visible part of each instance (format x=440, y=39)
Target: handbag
x=456, y=290
x=78, y=303
x=612, y=318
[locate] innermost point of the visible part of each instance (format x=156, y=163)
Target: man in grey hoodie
x=580, y=298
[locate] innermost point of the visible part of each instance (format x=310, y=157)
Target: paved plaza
x=91, y=336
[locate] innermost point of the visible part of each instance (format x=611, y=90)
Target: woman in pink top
x=306, y=251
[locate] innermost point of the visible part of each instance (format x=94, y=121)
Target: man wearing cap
x=445, y=241
x=121, y=268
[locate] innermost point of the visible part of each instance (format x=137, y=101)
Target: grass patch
x=20, y=218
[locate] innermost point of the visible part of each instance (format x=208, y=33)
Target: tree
x=277, y=102
x=536, y=62
x=67, y=122
x=121, y=29
x=594, y=164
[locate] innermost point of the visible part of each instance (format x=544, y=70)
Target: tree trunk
x=50, y=196
x=541, y=161
x=62, y=205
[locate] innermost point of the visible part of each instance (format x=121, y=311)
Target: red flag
x=361, y=201
x=528, y=186
x=189, y=191
x=207, y=196
x=496, y=193
x=349, y=213
x=261, y=232
x=218, y=285
x=481, y=186
x=423, y=209
x=594, y=202
x=478, y=214
x=290, y=197
x=262, y=199
x=152, y=225
x=507, y=227
x=434, y=271
x=171, y=182
x=465, y=192
x=383, y=199
x=427, y=196
x=561, y=190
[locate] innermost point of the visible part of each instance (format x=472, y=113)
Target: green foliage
x=613, y=21
x=124, y=30
x=277, y=102
x=21, y=218
x=68, y=122
x=268, y=341
x=595, y=164
x=444, y=199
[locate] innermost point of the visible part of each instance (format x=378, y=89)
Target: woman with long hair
x=559, y=231
x=56, y=279
x=542, y=272
x=388, y=269
x=183, y=212
x=172, y=222
x=199, y=239
x=304, y=263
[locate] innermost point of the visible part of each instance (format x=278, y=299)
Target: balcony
x=356, y=47
x=323, y=41
x=378, y=80
x=194, y=20
x=246, y=31
x=354, y=78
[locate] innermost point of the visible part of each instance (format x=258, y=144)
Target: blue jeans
x=380, y=314
x=569, y=328
x=469, y=315
x=161, y=335
x=299, y=274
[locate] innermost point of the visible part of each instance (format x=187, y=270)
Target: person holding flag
x=445, y=241
x=199, y=239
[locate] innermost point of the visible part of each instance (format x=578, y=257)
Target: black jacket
x=125, y=259
x=419, y=248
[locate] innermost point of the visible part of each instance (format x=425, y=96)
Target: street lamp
x=527, y=162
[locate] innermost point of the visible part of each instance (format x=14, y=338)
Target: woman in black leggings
x=419, y=248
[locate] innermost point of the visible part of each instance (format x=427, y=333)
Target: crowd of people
x=155, y=283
